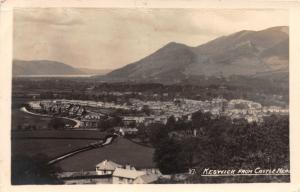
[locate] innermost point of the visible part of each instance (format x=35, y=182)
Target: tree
x=146, y=110
x=132, y=124
x=117, y=121
x=84, y=112
x=33, y=170
x=142, y=133
x=56, y=123
x=104, y=124
x=169, y=157
x=171, y=122
x=157, y=133
x=200, y=119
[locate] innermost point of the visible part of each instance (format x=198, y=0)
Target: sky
x=112, y=38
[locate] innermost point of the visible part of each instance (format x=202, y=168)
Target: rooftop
x=107, y=165
x=127, y=173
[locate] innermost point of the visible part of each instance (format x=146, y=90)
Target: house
x=106, y=167
x=132, y=120
x=74, y=109
x=149, y=120
x=80, y=111
x=161, y=119
x=90, y=121
x=128, y=131
x=126, y=176
x=35, y=105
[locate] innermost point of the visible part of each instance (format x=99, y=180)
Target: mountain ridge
x=43, y=67
x=49, y=67
x=242, y=53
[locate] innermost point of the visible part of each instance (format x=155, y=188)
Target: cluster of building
x=179, y=108
x=73, y=109
x=182, y=107
x=110, y=172
x=126, y=174
x=251, y=111
x=89, y=114
x=83, y=103
x=145, y=120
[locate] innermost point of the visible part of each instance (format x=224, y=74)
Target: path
x=77, y=125
x=107, y=141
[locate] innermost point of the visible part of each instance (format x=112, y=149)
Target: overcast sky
x=112, y=38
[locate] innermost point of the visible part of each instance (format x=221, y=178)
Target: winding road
x=107, y=141
x=77, y=125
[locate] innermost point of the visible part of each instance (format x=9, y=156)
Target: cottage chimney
x=127, y=166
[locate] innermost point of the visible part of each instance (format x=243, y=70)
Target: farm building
x=126, y=176
x=106, y=167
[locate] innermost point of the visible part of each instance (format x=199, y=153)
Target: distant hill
x=46, y=67
x=43, y=67
x=245, y=53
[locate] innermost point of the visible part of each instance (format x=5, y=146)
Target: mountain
x=244, y=53
x=43, y=67
x=170, y=60
x=46, y=67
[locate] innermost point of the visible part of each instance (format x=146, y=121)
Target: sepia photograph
x=149, y=96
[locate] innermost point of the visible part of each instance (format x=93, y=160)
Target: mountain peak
x=175, y=44
x=242, y=53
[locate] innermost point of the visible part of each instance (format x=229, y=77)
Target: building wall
x=88, y=181
x=139, y=181
x=104, y=172
x=120, y=180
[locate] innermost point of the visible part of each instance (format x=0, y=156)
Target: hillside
x=43, y=67
x=245, y=53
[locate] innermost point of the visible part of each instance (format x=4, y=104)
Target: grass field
x=49, y=147
x=20, y=118
x=59, y=134
x=122, y=151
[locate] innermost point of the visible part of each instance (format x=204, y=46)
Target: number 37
x=192, y=171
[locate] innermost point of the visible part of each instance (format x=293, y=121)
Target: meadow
x=59, y=134
x=122, y=151
x=49, y=147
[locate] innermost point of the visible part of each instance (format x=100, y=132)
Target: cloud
x=111, y=38
x=48, y=16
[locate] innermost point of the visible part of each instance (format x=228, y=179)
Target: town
x=89, y=113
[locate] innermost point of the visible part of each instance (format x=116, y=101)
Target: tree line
x=220, y=144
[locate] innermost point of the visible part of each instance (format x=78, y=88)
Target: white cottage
x=106, y=167
x=126, y=176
